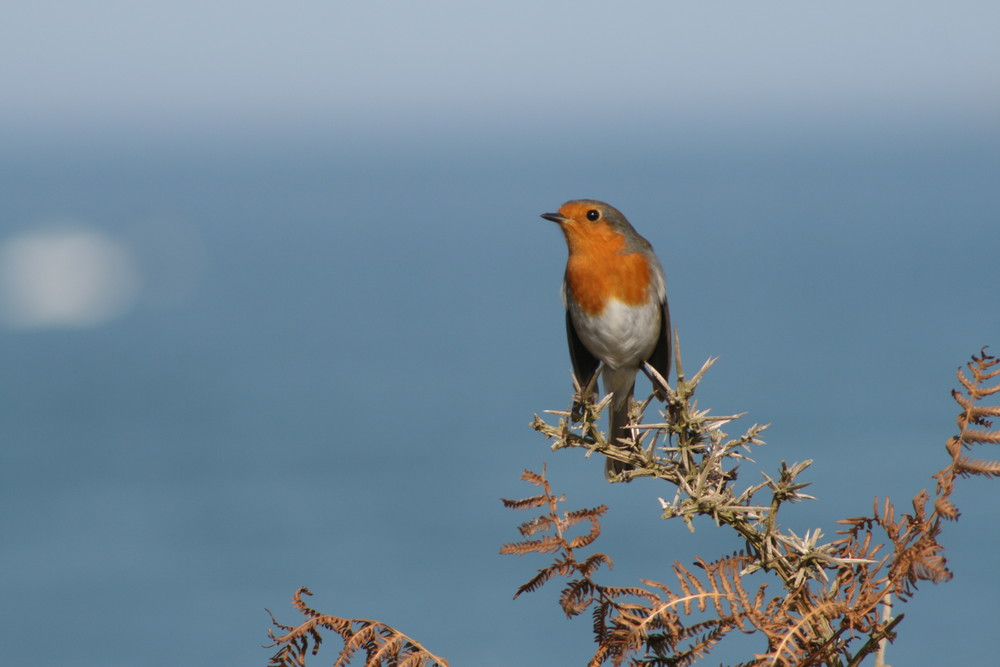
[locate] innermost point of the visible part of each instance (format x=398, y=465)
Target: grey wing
x=584, y=363
x=660, y=358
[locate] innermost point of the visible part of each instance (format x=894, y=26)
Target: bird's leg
x=584, y=395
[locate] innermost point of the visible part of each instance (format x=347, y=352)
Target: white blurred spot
x=70, y=277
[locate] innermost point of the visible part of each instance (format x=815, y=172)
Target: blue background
x=340, y=393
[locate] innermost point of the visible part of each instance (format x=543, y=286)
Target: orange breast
x=596, y=271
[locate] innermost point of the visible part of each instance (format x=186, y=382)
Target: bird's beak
x=555, y=217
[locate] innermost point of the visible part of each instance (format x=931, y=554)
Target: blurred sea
x=334, y=350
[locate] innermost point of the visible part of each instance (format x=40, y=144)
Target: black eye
x=593, y=214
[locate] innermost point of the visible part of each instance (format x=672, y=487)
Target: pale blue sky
x=334, y=64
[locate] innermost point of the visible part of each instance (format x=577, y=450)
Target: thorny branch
x=829, y=592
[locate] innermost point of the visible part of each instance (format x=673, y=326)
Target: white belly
x=622, y=336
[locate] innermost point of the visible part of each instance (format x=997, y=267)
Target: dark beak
x=555, y=217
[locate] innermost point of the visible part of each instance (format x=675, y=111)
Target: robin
x=615, y=295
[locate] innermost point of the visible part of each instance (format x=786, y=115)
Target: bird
x=615, y=294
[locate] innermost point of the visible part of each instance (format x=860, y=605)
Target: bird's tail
x=620, y=405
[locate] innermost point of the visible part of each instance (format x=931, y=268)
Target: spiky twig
x=832, y=590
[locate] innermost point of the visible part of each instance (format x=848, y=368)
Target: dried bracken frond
x=979, y=372
x=381, y=644
x=828, y=609
x=557, y=523
x=667, y=625
x=811, y=602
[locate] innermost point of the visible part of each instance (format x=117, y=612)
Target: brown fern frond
x=535, y=582
x=300, y=604
x=616, y=592
x=967, y=467
x=543, y=546
x=657, y=624
x=946, y=509
x=984, y=411
x=989, y=391
x=586, y=540
x=524, y=503
x=362, y=638
x=975, y=436
x=389, y=651
x=602, y=610
x=980, y=371
x=792, y=645
x=533, y=477
x=921, y=561
x=593, y=562
x=580, y=592
x=965, y=403
x=968, y=383
x=725, y=575
x=537, y=525
x=413, y=660
x=577, y=596
x=692, y=589
x=972, y=412
x=382, y=644
x=953, y=446
x=979, y=367
x=660, y=645
x=276, y=624
x=562, y=567
x=591, y=515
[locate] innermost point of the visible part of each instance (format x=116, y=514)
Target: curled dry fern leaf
x=381, y=644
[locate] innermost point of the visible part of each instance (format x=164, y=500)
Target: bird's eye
x=593, y=214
